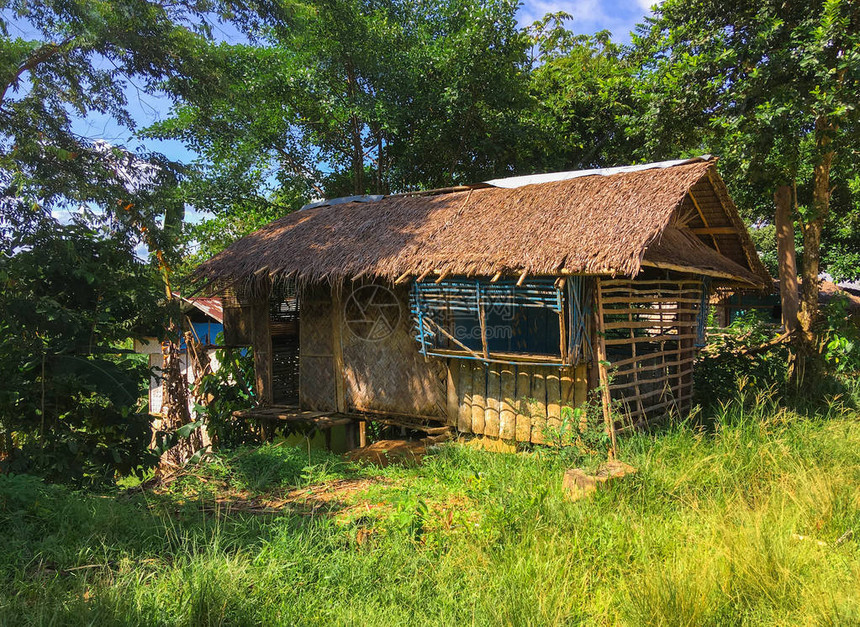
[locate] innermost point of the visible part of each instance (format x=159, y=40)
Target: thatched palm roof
x=676, y=217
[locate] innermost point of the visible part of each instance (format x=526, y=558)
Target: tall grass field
x=754, y=520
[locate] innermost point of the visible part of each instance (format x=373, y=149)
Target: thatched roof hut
x=611, y=222
x=457, y=305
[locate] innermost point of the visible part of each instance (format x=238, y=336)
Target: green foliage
x=724, y=363
x=227, y=390
x=769, y=87
x=69, y=406
x=841, y=338
x=581, y=88
x=582, y=429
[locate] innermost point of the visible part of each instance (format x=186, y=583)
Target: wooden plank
x=714, y=230
x=606, y=400
x=494, y=391
x=479, y=390
x=580, y=385
x=608, y=284
x=633, y=360
x=337, y=346
x=567, y=386
x=262, y=345
x=691, y=269
x=640, y=368
x=647, y=300
x=453, y=402
x=523, y=406
x=538, y=405
x=507, y=406
x=648, y=324
x=464, y=416
x=553, y=399
x=649, y=338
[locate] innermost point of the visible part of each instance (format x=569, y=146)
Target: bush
x=725, y=362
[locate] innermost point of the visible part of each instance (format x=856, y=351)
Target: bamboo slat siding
x=514, y=402
x=651, y=332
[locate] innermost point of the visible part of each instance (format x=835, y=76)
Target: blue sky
x=590, y=16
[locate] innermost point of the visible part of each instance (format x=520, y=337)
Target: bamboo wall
x=650, y=339
x=389, y=375
x=512, y=402
x=317, y=385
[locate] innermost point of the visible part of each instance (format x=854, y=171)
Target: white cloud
x=589, y=16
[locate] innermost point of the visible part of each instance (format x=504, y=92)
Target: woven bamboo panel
x=316, y=357
x=386, y=373
x=317, y=389
x=651, y=344
x=513, y=402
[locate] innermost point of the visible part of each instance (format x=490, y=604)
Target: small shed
x=491, y=307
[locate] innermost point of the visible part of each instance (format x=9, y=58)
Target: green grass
x=706, y=533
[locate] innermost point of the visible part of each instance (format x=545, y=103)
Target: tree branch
x=35, y=59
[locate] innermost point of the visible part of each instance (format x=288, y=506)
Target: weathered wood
x=714, y=230
x=553, y=399
x=623, y=300
x=650, y=367
x=649, y=338
x=707, y=272
x=567, y=386
x=482, y=321
x=479, y=390
x=262, y=345
x=646, y=324
x=453, y=396
x=494, y=391
x=507, y=407
x=538, y=405
x=606, y=400
x=580, y=385
x=464, y=417
x=523, y=413
x=337, y=347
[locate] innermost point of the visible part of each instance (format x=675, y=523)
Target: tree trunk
x=788, y=288
x=812, y=232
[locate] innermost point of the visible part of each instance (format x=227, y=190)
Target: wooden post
x=261, y=341
x=464, y=392
x=337, y=348
x=453, y=392
x=606, y=400
x=507, y=404
x=262, y=345
x=479, y=389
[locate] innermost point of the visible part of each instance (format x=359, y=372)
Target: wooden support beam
x=702, y=216
x=714, y=230
x=403, y=278
x=522, y=278
x=453, y=392
x=443, y=275
x=496, y=276
x=423, y=276
x=337, y=347
x=705, y=271
x=261, y=342
x=606, y=399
